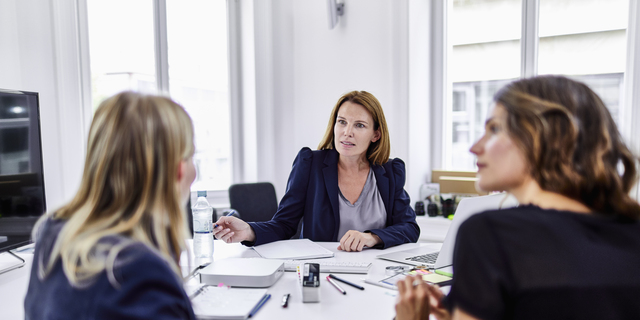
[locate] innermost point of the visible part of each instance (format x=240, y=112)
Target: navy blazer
x=312, y=195
x=146, y=286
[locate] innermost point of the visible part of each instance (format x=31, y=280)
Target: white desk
x=13, y=286
x=372, y=303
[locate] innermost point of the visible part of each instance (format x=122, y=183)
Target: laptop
x=433, y=259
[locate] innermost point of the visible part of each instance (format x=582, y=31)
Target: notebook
x=444, y=257
x=210, y=302
x=294, y=249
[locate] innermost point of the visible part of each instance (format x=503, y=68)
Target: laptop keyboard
x=425, y=258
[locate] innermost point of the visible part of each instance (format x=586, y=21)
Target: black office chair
x=256, y=202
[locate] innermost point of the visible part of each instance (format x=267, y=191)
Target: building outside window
x=123, y=57
x=582, y=39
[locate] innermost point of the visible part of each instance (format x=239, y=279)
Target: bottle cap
x=202, y=194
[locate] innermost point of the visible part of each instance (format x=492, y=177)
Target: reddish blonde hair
x=378, y=152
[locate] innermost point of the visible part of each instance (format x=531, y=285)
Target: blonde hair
x=378, y=152
x=129, y=186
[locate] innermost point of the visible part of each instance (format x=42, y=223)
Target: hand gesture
x=232, y=229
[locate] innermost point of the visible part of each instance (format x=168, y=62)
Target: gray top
x=367, y=213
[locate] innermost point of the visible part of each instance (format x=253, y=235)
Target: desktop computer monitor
x=22, y=197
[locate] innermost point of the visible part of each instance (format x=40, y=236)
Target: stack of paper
x=295, y=249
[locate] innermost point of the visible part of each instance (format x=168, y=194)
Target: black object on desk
x=432, y=209
x=347, y=282
x=419, y=208
x=447, y=207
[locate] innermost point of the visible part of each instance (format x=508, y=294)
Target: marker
x=285, y=300
x=230, y=213
x=450, y=275
x=347, y=282
x=259, y=305
x=336, y=285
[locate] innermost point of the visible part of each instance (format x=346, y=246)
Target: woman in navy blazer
x=355, y=145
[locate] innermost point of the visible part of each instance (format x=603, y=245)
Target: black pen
x=347, y=282
x=285, y=300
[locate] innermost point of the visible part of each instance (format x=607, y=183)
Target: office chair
x=256, y=202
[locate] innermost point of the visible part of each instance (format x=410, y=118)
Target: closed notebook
x=211, y=302
x=294, y=249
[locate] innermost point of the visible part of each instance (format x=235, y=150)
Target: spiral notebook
x=210, y=302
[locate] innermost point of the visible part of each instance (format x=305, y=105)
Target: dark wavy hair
x=571, y=142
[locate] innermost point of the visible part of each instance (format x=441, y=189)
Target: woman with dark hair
x=572, y=248
x=348, y=190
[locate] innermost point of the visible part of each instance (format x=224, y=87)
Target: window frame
x=218, y=198
x=440, y=88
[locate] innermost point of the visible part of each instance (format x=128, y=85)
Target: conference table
x=372, y=303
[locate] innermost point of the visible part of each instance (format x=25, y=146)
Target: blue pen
x=230, y=213
x=259, y=305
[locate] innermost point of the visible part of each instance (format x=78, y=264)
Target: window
x=582, y=39
x=124, y=56
x=121, y=54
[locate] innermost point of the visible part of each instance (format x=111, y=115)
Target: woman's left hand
x=355, y=240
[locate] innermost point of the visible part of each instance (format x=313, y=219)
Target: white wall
x=37, y=54
x=301, y=69
x=306, y=67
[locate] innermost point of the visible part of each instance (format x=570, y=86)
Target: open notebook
x=210, y=302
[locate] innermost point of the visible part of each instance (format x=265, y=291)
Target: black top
x=147, y=288
x=530, y=263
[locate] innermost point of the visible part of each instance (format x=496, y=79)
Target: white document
x=211, y=302
x=294, y=249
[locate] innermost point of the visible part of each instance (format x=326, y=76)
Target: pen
x=259, y=305
x=336, y=285
x=285, y=300
x=230, y=213
x=450, y=275
x=347, y=282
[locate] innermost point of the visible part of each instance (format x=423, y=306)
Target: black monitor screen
x=22, y=198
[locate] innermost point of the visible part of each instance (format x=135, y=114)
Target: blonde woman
x=348, y=190
x=112, y=252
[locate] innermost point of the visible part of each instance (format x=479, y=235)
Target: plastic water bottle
x=202, y=229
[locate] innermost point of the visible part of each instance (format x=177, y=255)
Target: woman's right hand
x=232, y=229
